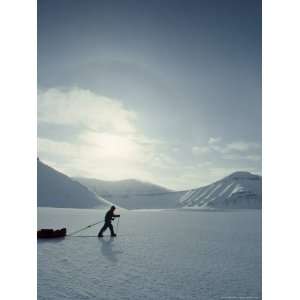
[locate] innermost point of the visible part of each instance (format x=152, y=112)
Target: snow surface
x=168, y=254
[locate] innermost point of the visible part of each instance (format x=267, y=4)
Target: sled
x=51, y=234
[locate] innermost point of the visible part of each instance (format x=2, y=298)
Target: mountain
x=54, y=189
x=133, y=194
x=239, y=190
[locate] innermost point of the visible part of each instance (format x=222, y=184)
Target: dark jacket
x=110, y=216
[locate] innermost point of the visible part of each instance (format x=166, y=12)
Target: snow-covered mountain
x=239, y=190
x=54, y=189
x=133, y=194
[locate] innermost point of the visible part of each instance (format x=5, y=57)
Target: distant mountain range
x=54, y=189
x=240, y=190
x=133, y=194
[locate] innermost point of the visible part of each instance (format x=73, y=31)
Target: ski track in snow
x=158, y=255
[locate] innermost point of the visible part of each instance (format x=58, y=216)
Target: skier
x=109, y=216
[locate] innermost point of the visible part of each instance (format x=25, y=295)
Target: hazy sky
x=164, y=91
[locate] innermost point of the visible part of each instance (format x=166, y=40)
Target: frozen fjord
x=159, y=254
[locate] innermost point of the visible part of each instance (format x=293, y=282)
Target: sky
x=167, y=92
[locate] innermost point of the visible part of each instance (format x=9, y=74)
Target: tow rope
x=84, y=228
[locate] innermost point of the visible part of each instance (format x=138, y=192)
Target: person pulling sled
x=109, y=216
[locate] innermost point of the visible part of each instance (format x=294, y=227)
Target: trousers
x=105, y=226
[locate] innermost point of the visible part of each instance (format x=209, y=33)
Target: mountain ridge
x=55, y=189
x=131, y=193
x=237, y=190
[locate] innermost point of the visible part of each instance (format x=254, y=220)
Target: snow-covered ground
x=169, y=254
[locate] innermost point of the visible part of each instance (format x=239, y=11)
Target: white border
x=18, y=149
x=281, y=151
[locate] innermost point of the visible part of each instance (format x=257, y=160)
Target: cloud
x=213, y=140
x=82, y=133
x=204, y=164
x=108, y=144
x=91, y=158
x=241, y=146
x=86, y=109
x=238, y=150
x=241, y=156
x=200, y=150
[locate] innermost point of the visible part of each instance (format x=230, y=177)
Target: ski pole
x=118, y=225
